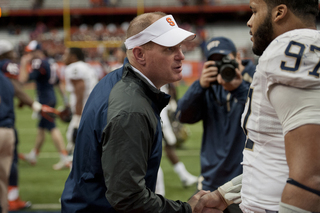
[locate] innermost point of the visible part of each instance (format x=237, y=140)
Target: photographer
x=218, y=99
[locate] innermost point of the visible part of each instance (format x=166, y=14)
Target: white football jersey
x=291, y=59
x=80, y=70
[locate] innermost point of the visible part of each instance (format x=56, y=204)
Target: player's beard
x=263, y=36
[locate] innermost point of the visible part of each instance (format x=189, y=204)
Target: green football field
x=43, y=186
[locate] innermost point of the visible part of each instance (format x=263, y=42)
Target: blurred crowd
x=52, y=40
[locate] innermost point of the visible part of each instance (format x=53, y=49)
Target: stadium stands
x=24, y=4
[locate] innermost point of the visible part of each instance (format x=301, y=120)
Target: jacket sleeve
x=127, y=143
x=191, y=106
x=241, y=92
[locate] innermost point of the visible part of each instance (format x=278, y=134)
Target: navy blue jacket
x=118, y=149
x=6, y=102
x=223, y=138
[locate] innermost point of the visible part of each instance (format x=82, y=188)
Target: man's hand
x=209, y=74
x=194, y=200
x=212, y=202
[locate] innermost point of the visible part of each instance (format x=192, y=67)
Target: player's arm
x=47, y=112
x=24, y=75
x=167, y=130
x=23, y=97
x=79, y=88
x=11, y=71
x=303, y=157
x=299, y=112
x=63, y=94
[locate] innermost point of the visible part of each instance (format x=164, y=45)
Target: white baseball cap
x=5, y=46
x=164, y=32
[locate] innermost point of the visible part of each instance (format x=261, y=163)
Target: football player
x=80, y=79
x=281, y=165
x=45, y=78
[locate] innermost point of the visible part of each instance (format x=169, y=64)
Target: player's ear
x=279, y=12
x=139, y=55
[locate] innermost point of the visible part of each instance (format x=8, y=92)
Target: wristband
x=36, y=106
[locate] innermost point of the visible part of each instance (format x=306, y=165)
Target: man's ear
x=279, y=12
x=139, y=55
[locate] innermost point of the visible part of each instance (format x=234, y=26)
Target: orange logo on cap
x=170, y=22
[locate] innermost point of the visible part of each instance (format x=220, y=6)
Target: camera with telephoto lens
x=226, y=68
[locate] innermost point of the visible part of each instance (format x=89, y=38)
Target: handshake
x=218, y=200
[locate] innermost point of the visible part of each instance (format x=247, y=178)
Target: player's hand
x=49, y=113
x=66, y=114
x=75, y=122
x=231, y=190
x=20, y=104
x=232, y=85
x=46, y=111
x=211, y=203
x=74, y=135
x=209, y=74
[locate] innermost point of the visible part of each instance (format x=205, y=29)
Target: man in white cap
x=119, y=143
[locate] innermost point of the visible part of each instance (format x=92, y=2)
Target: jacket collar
x=159, y=98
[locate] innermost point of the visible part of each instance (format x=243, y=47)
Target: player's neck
x=289, y=24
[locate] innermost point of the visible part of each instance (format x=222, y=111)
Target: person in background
x=45, y=78
x=218, y=99
x=120, y=55
x=80, y=79
x=6, y=138
x=14, y=200
x=281, y=162
x=170, y=142
x=10, y=69
x=119, y=142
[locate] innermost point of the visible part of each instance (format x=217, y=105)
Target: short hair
x=142, y=21
x=305, y=9
x=77, y=52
